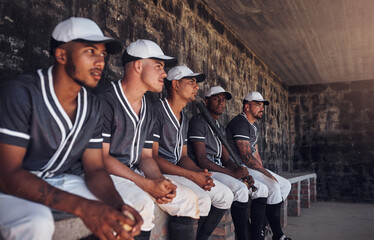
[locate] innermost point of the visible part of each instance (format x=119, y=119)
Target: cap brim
x=169, y=61
x=264, y=101
x=228, y=95
x=200, y=77
x=112, y=45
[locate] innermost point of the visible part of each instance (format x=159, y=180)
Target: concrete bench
x=303, y=193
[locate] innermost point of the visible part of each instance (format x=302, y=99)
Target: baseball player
x=206, y=149
x=170, y=149
x=242, y=134
x=127, y=132
x=48, y=120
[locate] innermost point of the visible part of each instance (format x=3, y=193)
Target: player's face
x=153, y=74
x=256, y=109
x=188, y=88
x=85, y=63
x=216, y=104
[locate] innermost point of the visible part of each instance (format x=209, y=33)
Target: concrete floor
x=333, y=221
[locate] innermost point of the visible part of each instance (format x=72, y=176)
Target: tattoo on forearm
x=249, y=160
x=49, y=195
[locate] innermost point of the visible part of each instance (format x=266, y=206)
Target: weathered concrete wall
x=332, y=131
x=186, y=29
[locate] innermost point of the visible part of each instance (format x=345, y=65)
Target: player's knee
x=39, y=226
x=189, y=203
x=262, y=191
x=205, y=203
x=223, y=198
x=145, y=207
x=241, y=193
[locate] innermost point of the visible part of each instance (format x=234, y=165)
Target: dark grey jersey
x=200, y=131
x=126, y=132
x=239, y=128
x=32, y=117
x=169, y=132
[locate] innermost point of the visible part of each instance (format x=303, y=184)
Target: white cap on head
x=82, y=30
x=143, y=49
x=217, y=90
x=179, y=72
x=255, y=96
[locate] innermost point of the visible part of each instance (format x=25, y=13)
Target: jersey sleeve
x=15, y=114
x=96, y=140
x=107, y=119
x=197, y=130
x=148, y=144
x=240, y=130
x=157, y=127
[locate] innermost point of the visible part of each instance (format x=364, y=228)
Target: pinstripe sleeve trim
x=106, y=135
x=241, y=136
x=14, y=133
x=196, y=137
x=157, y=136
x=96, y=140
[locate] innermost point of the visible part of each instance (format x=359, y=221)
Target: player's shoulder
x=197, y=119
x=237, y=120
x=106, y=93
x=20, y=85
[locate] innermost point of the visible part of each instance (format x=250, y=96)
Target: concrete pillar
x=305, y=194
x=313, y=189
x=294, y=200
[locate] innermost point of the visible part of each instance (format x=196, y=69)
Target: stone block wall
x=332, y=133
x=187, y=29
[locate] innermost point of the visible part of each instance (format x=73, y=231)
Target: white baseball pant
x=184, y=204
x=21, y=219
x=219, y=196
x=239, y=189
x=278, y=191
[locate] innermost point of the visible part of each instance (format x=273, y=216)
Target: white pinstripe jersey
x=32, y=117
x=200, y=131
x=239, y=128
x=169, y=132
x=126, y=132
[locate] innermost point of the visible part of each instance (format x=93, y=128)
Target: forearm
x=187, y=163
x=115, y=167
x=167, y=167
x=249, y=160
x=253, y=163
x=211, y=166
x=101, y=185
x=23, y=184
x=150, y=168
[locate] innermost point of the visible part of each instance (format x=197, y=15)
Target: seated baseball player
x=242, y=134
x=170, y=149
x=127, y=131
x=48, y=121
x=207, y=150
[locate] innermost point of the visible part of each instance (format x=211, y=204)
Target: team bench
x=303, y=193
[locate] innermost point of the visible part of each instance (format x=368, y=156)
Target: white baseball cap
x=143, y=49
x=179, y=72
x=255, y=96
x=217, y=90
x=82, y=30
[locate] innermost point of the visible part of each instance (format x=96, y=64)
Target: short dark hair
x=244, y=103
x=167, y=83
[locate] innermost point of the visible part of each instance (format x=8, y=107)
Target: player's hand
x=250, y=181
x=162, y=189
x=241, y=172
x=108, y=223
x=204, y=180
